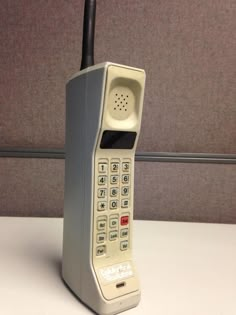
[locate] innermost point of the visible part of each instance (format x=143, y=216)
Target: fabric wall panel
x=187, y=48
x=163, y=191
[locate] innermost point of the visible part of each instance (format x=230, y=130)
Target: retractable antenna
x=88, y=34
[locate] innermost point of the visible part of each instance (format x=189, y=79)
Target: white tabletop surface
x=185, y=269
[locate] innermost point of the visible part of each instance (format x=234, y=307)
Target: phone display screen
x=112, y=139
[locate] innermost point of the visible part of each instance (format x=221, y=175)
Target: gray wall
x=173, y=191
x=188, y=51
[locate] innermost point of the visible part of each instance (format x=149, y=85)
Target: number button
x=115, y=167
x=125, y=191
x=125, y=179
x=114, y=179
x=102, y=180
x=124, y=245
x=125, y=166
x=113, y=204
x=114, y=192
x=102, y=167
x=100, y=250
x=125, y=203
x=102, y=193
x=102, y=206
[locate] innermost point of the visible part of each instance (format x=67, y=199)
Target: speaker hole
x=120, y=285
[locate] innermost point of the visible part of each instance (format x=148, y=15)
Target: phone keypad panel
x=113, y=205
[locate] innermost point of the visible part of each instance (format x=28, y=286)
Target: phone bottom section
x=118, y=305
x=117, y=280
x=107, y=290
x=91, y=296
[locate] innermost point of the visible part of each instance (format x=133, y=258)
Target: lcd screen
x=118, y=139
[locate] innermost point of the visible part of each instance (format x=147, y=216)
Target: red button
x=124, y=220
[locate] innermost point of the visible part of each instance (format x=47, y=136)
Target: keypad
x=112, y=211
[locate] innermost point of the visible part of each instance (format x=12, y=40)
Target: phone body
x=103, y=117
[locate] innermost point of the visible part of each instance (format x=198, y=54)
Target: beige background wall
x=188, y=51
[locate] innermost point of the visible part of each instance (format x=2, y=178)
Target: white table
x=185, y=269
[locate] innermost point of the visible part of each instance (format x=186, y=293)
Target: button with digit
x=113, y=204
x=102, y=180
x=114, y=192
x=102, y=167
x=114, y=179
x=125, y=166
x=102, y=192
x=125, y=179
x=124, y=191
x=114, y=167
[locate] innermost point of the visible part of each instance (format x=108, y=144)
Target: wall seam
x=55, y=153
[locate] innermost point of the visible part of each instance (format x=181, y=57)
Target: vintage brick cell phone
x=103, y=117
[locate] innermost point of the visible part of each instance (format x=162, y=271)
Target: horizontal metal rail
x=140, y=156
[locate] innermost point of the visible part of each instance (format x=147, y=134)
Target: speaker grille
x=121, y=102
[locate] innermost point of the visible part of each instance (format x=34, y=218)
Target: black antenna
x=88, y=34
